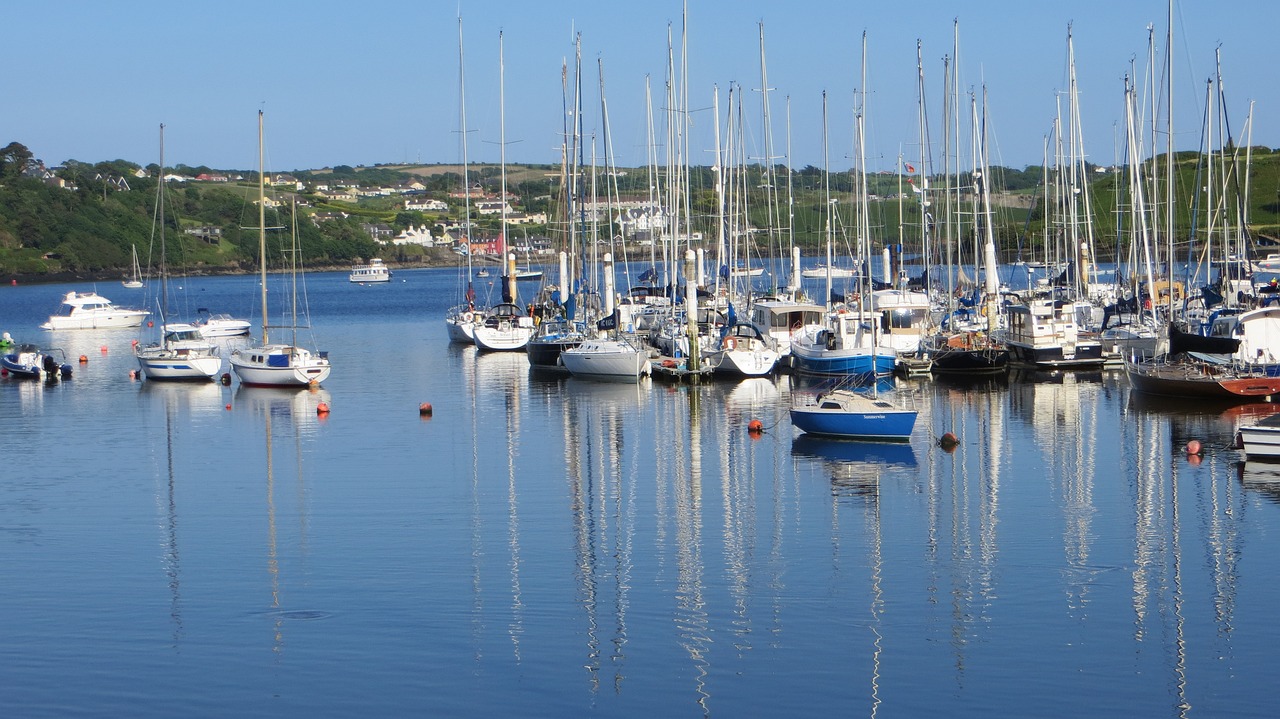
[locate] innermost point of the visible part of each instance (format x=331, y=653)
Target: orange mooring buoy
x=755, y=426
x=948, y=442
x=424, y=409
x=322, y=408
x=1193, y=447
x=104, y=349
x=84, y=359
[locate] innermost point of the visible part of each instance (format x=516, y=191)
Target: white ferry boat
x=375, y=271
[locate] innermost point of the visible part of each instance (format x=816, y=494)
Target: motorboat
x=89, y=310
x=182, y=354
x=221, y=325
x=30, y=362
x=375, y=271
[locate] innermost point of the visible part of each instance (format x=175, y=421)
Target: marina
x=546, y=544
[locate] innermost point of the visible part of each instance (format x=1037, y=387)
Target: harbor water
x=550, y=547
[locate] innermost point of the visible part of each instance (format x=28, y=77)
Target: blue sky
x=364, y=83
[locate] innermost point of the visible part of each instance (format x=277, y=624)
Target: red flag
x=910, y=168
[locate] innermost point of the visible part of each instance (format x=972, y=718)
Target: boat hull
x=886, y=426
x=170, y=364
x=969, y=361
x=113, y=320
x=279, y=366
x=1261, y=442
x=606, y=359
x=1083, y=355
x=1194, y=380
x=842, y=363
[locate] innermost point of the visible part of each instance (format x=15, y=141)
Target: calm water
x=565, y=548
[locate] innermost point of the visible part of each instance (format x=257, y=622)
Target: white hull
x=460, y=330
x=223, y=327
x=279, y=366
x=502, y=339
x=113, y=320
x=160, y=363
x=606, y=359
x=375, y=271
x=1262, y=440
x=746, y=362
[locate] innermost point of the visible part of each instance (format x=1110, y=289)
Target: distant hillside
x=82, y=220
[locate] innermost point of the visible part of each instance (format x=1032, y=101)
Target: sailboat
x=460, y=320
x=507, y=327
x=182, y=353
x=277, y=365
x=845, y=411
x=135, y=279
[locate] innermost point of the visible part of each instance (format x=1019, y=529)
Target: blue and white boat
x=29, y=361
x=847, y=346
x=846, y=412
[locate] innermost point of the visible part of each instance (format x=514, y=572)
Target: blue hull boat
x=845, y=413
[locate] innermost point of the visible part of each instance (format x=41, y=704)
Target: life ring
x=730, y=343
x=467, y=317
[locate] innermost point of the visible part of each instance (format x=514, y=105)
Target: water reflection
x=854, y=467
x=288, y=415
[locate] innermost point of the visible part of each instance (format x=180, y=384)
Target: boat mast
x=164, y=269
x=262, y=227
x=502, y=152
x=466, y=167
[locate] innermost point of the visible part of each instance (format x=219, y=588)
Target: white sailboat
x=135, y=278
x=182, y=352
x=507, y=327
x=277, y=365
x=461, y=320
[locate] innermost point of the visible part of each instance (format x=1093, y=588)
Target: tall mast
x=262, y=227
x=466, y=167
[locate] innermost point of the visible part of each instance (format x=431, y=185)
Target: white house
x=425, y=204
x=415, y=236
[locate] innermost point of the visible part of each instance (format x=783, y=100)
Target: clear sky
x=376, y=82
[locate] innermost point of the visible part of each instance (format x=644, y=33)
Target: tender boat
x=375, y=271
x=89, y=311
x=30, y=362
x=844, y=412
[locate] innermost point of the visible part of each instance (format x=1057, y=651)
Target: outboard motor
x=50, y=367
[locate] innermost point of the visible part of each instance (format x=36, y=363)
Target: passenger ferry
x=375, y=271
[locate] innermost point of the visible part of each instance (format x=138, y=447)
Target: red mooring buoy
x=1194, y=448
x=424, y=409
